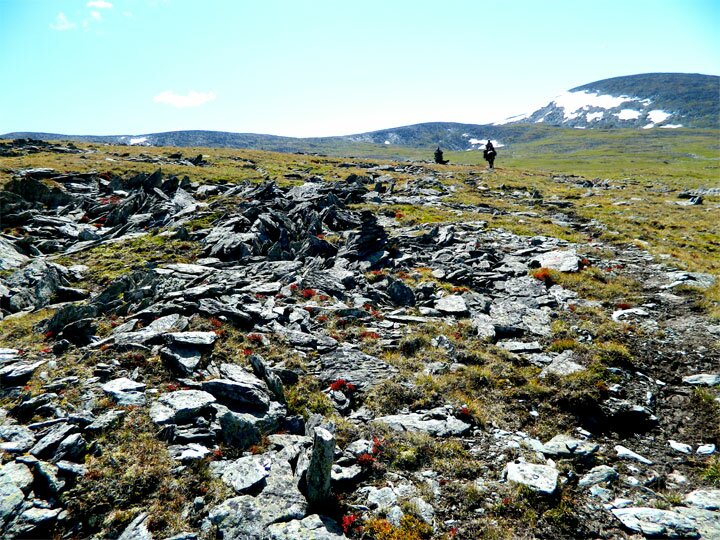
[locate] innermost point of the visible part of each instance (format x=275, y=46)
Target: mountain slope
x=649, y=100
x=447, y=135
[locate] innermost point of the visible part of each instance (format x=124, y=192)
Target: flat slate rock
x=565, y=446
x=653, y=522
x=562, y=366
x=314, y=526
x=125, y=391
x=540, y=478
x=245, y=473
x=181, y=406
x=452, y=305
x=435, y=423
x=702, y=379
x=561, y=260
x=355, y=367
x=707, y=499
x=192, y=339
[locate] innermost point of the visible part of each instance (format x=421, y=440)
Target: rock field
x=292, y=362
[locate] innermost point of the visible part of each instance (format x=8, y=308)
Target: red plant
x=452, y=533
x=350, y=387
x=464, y=411
x=247, y=352
x=399, y=215
x=338, y=385
x=293, y=287
x=113, y=199
x=460, y=289
x=322, y=318
x=348, y=522
x=218, y=453
x=221, y=332
x=584, y=263
x=259, y=296
x=255, y=338
x=320, y=236
x=623, y=305
x=308, y=293
x=46, y=350
x=403, y=275
x=572, y=307
x=323, y=297
x=49, y=334
x=377, y=445
x=172, y=387
x=370, y=335
x=545, y=275
x=366, y=460
x=215, y=322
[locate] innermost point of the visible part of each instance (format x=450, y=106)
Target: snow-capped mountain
x=653, y=100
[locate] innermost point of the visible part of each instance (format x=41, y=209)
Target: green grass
x=113, y=259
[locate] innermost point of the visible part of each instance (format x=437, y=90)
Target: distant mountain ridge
x=664, y=100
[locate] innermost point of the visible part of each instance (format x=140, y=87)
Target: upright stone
x=320, y=467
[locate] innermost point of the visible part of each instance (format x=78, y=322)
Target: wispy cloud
x=62, y=23
x=99, y=4
x=191, y=99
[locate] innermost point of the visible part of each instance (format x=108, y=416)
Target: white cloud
x=99, y=4
x=191, y=99
x=62, y=23
x=96, y=15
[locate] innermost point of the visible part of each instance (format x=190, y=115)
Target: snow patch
x=671, y=126
x=387, y=142
x=475, y=141
x=571, y=102
x=649, y=126
x=515, y=118
x=138, y=140
x=594, y=116
x=579, y=127
x=657, y=116
x=628, y=114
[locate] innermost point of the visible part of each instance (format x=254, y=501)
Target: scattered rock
x=540, y=478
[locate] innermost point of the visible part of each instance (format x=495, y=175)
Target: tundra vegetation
x=402, y=306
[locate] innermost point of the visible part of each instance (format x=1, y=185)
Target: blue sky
x=325, y=67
